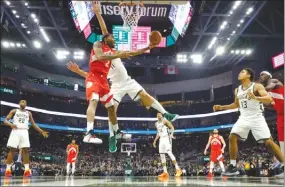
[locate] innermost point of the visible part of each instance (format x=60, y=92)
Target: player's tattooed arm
x=263, y=97
x=72, y=66
x=207, y=146
x=96, y=10
x=36, y=127
x=234, y=105
x=100, y=55
x=8, y=117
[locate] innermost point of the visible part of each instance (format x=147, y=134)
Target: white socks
x=27, y=167
x=115, y=127
x=111, y=130
x=73, y=168
x=67, y=168
x=156, y=105
x=233, y=162
x=222, y=166
x=90, y=126
x=8, y=166
x=176, y=165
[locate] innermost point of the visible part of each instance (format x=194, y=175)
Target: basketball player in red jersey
x=276, y=90
x=72, y=151
x=216, y=141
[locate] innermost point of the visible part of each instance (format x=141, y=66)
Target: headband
x=267, y=73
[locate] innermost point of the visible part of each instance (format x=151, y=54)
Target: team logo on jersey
x=89, y=84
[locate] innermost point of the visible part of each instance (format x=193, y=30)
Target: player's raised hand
x=251, y=95
x=45, y=134
x=72, y=66
x=96, y=6
x=217, y=107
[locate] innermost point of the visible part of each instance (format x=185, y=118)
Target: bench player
x=165, y=144
x=276, y=90
x=218, y=145
x=72, y=151
x=19, y=136
x=249, y=98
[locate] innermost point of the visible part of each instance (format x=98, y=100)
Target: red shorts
x=71, y=159
x=97, y=83
x=280, y=127
x=216, y=155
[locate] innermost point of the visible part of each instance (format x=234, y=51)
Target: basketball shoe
x=91, y=138
x=231, y=171
x=119, y=134
x=171, y=117
x=178, y=173
x=112, y=144
x=27, y=173
x=8, y=173
x=163, y=175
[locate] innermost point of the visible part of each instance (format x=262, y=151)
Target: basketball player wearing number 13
x=249, y=98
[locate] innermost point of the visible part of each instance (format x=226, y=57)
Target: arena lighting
x=249, y=10
x=36, y=20
x=23, y=45
x=63, y=52
x=26, y=4
x=223, y=25
x=78, y=57
x=234, y=32
x=232, y=51
x=23, y=25
x=7, y=3
x=18, y=45
x=60, y=57
x=44, y=35
x=197, y=58
x=80, y=53
x=241, y=21
x=236, y=4
x=237, y=52
x=238, y=25
x=17, y=16
x=12, y=44
x=14, y=11
x=231, y=12
x=28, y=32
x=181, y=58
x=37, y=44
x=5, y=44
x=228, y=39
x=220, y=50
x=33, y=16
x=213, y=41
x=248, y=51
x=242, y=52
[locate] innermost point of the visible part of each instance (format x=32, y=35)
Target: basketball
x=155, y=37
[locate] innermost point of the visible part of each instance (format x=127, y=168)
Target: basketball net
x=130, y=20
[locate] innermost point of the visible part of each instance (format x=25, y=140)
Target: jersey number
x=244, y=104
x=21, y=120
x=108, y=63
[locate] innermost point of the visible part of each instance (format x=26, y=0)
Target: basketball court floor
x=141, y=181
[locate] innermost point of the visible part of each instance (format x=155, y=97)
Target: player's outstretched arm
x=234, y=105
x=156, y=138
x=140, y=51
x=36, y=127
x=264, y=96
x=8, y=117
x=96, y=10
x=207, y=146
x=72, y=66
x=100, y=55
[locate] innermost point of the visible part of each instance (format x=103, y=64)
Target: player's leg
x=173, y=159
x=220, y=159
x=68, y=168
x=26, y=161
x=136, y=92
x=90, y=113
x=9, y=161
x=212, y=164
x=280, y=132
x=163, y=163
x=240, y=130
x=73, y=168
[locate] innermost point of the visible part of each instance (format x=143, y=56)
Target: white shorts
x=19, y=138
x=130, y=87
x=257, y=126
x=165, y=145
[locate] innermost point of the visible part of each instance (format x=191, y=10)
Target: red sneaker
x=27, y=173
x=163, y=175
x=8, y=173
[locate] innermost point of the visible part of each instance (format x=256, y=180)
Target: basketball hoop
x=131, y=19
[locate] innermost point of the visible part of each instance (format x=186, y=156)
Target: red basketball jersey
x=278, y=97
x=100, y=66
x=216, y=143
x=72, y=150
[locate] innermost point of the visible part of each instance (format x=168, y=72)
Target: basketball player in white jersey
x=19, y=137
x=249, y=98
x=121, y=82
x=165, y=144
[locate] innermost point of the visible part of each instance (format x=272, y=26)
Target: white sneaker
x=119, y=134
x=280, y=176
x=88, y=138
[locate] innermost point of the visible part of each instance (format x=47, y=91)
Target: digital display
x=122, y=36
x=81, y=14
x=87, y=31
x=278, y=60
x=174, y=34
x=162, y=43
x=140, y=37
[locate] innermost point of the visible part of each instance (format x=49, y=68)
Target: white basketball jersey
x=249, y=108
x=162, y=129
x=21, y=119
x=117, y=72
